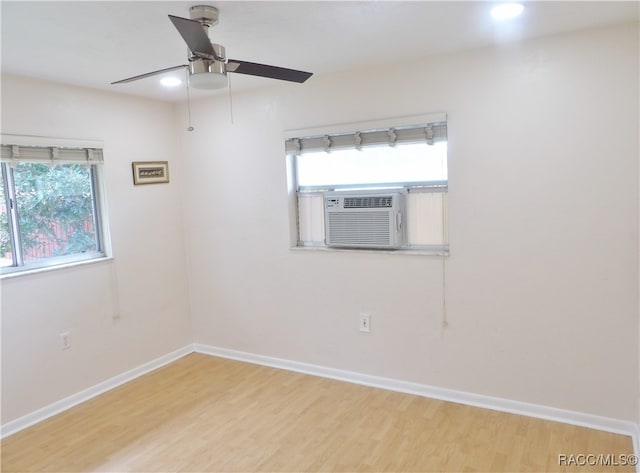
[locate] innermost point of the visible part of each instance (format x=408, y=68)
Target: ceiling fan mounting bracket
x=205, y=14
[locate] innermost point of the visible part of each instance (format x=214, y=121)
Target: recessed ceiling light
x=506, y=11
x=170, y=81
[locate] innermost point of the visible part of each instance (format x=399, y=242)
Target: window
x=50, y=206
x=407, y=157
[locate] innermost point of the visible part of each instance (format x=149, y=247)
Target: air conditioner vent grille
x=368, y=202
x=364, y=228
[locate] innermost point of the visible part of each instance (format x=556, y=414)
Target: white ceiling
x=94, y=43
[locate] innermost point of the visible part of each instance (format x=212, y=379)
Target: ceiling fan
x=208, y=65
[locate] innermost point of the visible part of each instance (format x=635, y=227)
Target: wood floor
x=203, y=414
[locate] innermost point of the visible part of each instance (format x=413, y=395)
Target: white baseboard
x=487, y=402
x=62, y=405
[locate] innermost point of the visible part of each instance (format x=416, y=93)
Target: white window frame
x=62, y=151
x=411, y=187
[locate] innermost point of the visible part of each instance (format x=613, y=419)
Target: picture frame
x=150, y=172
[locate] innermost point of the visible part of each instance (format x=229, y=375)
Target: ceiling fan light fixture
x=207, y=74
x=208, y=80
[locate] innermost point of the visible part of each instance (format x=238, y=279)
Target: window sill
x=46, y=269
x=405, y=252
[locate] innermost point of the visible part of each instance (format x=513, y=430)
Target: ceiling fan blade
x=262, y=70
x=194, y=35
x=149, y=74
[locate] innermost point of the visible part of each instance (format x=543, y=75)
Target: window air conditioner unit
x=357, y=219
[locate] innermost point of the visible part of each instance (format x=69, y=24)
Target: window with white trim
x=411, y=158
x=51, y=210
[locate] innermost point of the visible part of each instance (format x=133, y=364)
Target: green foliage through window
x=55, y=212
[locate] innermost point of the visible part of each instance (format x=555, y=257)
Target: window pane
x=6, y=256
x=55, y=207
x=375, y=165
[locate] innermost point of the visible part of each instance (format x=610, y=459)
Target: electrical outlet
x=65, y=340
x=365, y=323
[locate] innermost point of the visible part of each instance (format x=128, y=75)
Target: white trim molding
x=581, y=419
x=68, y=402
x=477, y=400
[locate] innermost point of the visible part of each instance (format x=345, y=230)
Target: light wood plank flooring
x=203, y=414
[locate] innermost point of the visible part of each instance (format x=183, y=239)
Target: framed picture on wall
x=150, y=172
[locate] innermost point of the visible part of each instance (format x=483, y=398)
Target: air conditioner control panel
x=332, y=202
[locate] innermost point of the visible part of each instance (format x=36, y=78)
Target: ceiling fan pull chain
x=189, y=128
x=230, y=98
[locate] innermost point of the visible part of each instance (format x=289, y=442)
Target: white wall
x=542, y=281
x=146, y=281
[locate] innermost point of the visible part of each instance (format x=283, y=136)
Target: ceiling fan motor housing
x=207, y=73
x=205, y=14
